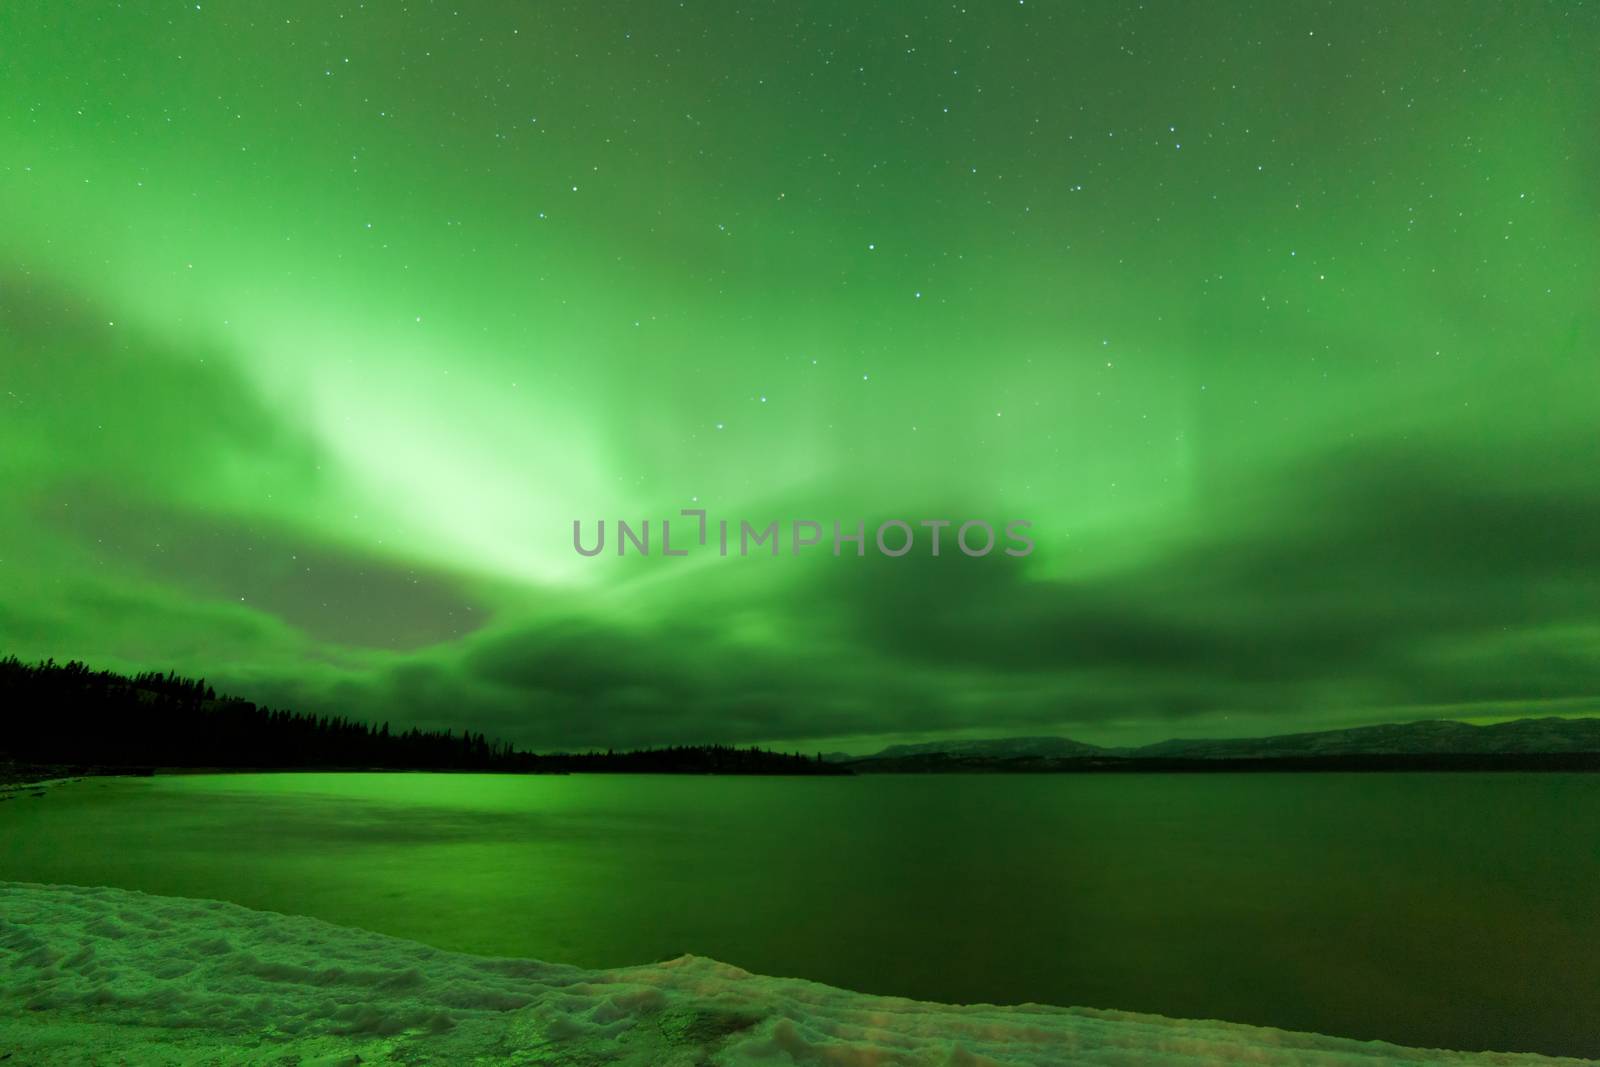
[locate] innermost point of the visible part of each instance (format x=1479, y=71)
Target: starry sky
x=320, y=323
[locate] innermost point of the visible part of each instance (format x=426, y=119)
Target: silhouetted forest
x=67, y=714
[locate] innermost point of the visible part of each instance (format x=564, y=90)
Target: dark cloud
x=136, y=431
x=1360, y=566
x=586, y=682
x=1369, y=580
x=324, y=590
x=88, y=396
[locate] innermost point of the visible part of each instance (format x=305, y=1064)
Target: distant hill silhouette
x=1008, y=746
x=1438, y=736
x=69, y=715
x=1522, y=744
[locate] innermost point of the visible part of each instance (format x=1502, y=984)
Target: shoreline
x=17, y=778
x=100, y=972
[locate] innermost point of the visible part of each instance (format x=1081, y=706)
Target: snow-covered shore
x=102, y=976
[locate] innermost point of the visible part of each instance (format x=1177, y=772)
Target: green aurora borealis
x=321, y=322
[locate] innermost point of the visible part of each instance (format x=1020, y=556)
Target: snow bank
x=112, y=976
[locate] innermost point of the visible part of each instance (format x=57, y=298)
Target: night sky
x=320, y=323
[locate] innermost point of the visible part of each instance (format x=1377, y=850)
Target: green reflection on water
x=1447, y=910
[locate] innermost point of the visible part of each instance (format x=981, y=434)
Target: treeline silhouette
x=67, y=714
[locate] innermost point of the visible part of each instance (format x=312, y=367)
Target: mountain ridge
x=1549, y=735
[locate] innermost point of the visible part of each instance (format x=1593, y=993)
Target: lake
x=1449, y=910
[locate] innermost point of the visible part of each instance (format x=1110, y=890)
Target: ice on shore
x=104, y=976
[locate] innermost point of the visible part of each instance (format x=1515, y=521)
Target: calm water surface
x=1445, y=910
